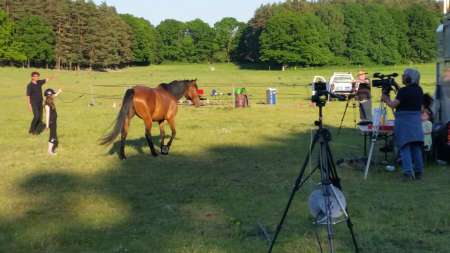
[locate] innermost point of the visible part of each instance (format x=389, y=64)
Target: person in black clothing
x=50, y=119
x=408, y=131
x=34, y=96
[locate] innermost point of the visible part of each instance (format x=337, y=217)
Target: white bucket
x=378, y=116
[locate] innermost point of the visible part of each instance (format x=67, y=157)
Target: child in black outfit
x=51, y=116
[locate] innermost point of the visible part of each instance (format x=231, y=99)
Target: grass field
x=229, y=170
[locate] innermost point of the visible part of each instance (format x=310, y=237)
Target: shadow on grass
x=140, y=145
x=210, y=202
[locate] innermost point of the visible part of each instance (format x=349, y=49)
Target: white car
x=341, y=83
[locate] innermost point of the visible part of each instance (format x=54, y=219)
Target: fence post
x=233, y=96
x=92, y=96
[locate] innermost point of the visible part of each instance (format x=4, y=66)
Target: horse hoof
x=164, y=150
x=122, y=157
x=155, y=154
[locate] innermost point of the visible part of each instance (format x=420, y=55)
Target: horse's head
x=191, y=92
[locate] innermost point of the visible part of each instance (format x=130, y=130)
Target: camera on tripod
x=320, y=92
x=386, y=82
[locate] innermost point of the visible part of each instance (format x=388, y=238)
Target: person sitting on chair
x=427, y=130
x=362, y=88
x=408, y=130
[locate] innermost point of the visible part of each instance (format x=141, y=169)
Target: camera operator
x=362, y=88
x=408, y=130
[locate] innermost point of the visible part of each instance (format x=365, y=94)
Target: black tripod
x=329, y=179
x=351, y=97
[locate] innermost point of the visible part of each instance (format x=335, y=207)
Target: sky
x=209, y=11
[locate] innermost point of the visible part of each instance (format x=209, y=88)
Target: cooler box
x=271, y=96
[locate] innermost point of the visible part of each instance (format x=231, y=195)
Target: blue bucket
x=271, y=96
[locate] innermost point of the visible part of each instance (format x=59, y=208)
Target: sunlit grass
x=229, y=170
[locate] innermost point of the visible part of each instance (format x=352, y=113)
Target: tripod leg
x=343, y=116
x=318, y=240
x=298, y=182
x=336, y=182
x=350, y=228
x=327, y=195
x=332, y=168
x=345, y=210
x=349, y=222
x=369, y=158
x=327, y=169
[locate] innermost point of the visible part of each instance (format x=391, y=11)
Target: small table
x=384, y=132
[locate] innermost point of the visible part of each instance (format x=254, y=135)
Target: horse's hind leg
x=124, y=133
x=123, y=137
x=162, y=133
x=174, y=132
x=148, y=134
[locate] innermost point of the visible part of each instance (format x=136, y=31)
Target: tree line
x=75, y=34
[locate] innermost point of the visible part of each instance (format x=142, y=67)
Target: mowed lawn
x=229, y=171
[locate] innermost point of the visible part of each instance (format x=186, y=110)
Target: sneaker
x=441, y=162
x=418, y=175
x=407, y=178
x=387, y=149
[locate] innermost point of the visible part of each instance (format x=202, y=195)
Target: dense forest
x=75, y=34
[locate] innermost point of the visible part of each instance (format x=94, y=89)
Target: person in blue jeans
x=408, y=131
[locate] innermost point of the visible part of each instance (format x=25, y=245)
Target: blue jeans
x=412, y=159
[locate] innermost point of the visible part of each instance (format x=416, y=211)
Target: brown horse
x=152, y=105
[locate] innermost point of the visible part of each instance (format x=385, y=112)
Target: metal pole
x=92, y=96
x=445, y=5
x=375, y=132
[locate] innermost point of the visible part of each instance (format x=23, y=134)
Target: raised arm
x=58, y=92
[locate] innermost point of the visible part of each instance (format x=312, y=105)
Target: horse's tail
x=127, y=103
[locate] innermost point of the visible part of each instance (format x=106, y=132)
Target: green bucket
x=238, y=91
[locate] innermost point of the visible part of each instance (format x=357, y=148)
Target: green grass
x=229, y=169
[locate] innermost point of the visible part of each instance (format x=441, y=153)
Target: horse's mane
x=177, y=88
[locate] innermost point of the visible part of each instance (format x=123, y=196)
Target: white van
x=341, y=83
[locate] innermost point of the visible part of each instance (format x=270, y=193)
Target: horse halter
x=192, y=94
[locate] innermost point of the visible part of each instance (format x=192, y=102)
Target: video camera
x=385, y=82
x=320, y=93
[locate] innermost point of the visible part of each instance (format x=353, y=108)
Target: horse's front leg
x=174, y=133
x=164, y=149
